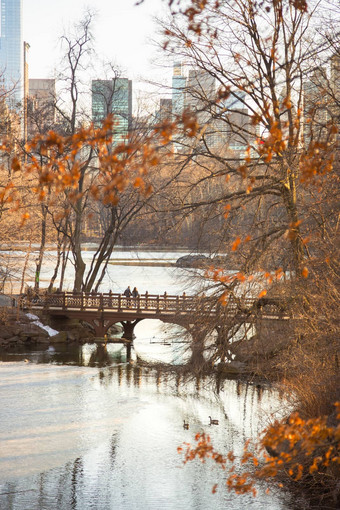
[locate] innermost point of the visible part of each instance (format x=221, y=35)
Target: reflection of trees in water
x=169, y=381
x=63, y=488
x=100, y=357
x=137, y=376
x=239, y=403
x=77, y=473
x=113, y=448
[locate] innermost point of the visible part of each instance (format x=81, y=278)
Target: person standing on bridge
x=135, y=295
x=128, y=294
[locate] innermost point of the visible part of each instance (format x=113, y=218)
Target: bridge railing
x=145, y=302
x=118, y=302
x=155, y=303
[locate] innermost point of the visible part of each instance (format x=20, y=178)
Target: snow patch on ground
x=36, y=321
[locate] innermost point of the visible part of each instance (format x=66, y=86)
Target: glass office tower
x=11, y=49
x=113, y=96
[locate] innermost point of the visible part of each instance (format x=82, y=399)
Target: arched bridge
x=105, y=309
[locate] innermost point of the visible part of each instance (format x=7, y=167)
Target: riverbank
x=18, y=328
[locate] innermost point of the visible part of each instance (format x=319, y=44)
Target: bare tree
x=258, y=60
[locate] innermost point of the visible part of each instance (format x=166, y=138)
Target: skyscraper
x=113, y=96
x=201, y=91
x=233, y=127
x=41, y=111
x=11, y=49
x=178, y=89
x=316, y=113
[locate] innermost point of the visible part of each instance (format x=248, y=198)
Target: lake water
x=90, y=437
x=81, y=429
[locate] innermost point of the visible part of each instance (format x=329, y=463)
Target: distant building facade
x=233, y=127
x=225, y=125
x=41, y=111
x=200, y=92
x=165, y=110
x=179, y=83
x=316, y=112
x=11, y=49
x=113, y=97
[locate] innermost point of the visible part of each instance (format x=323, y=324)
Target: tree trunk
x=41, y=248
x=296, y=242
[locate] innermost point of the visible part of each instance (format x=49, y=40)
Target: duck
x=185, y=425
x=213, y=422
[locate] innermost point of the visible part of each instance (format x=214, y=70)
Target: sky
x=122, y=31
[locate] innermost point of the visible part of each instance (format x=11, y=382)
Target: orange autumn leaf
x=262, y=293
x=236, y=244
x=26, y=216
x=139, y=183
x=304, y=272
x=240, y=277
x=227, y=209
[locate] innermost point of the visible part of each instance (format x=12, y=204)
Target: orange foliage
x=66, y=158
x=236, y=244
x=317, y=161
x=298, y=448
x=305, y=272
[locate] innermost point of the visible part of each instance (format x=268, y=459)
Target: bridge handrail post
x=157, y=301
x=82, y=301
x=165, y=301
x=46, y=303
x=138, y=302
x=64, y=300
x=101, y=302
x=146, y=299
x=183, y=297
x=120, y=303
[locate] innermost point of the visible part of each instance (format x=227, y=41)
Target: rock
x=73, y=335
x=6, y=332
x=33, y=331
x=115, y=329
x=193, y=261
x=6, y=300
x=61, y=337
x=15, y=340
x=43, y=340
x=220, y=261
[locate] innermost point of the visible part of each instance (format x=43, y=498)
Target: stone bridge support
x=101, y=326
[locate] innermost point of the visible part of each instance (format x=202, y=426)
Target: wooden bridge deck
x=117, y=306
x=105, y=309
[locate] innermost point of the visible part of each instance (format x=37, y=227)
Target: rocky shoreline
x=18, y=328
